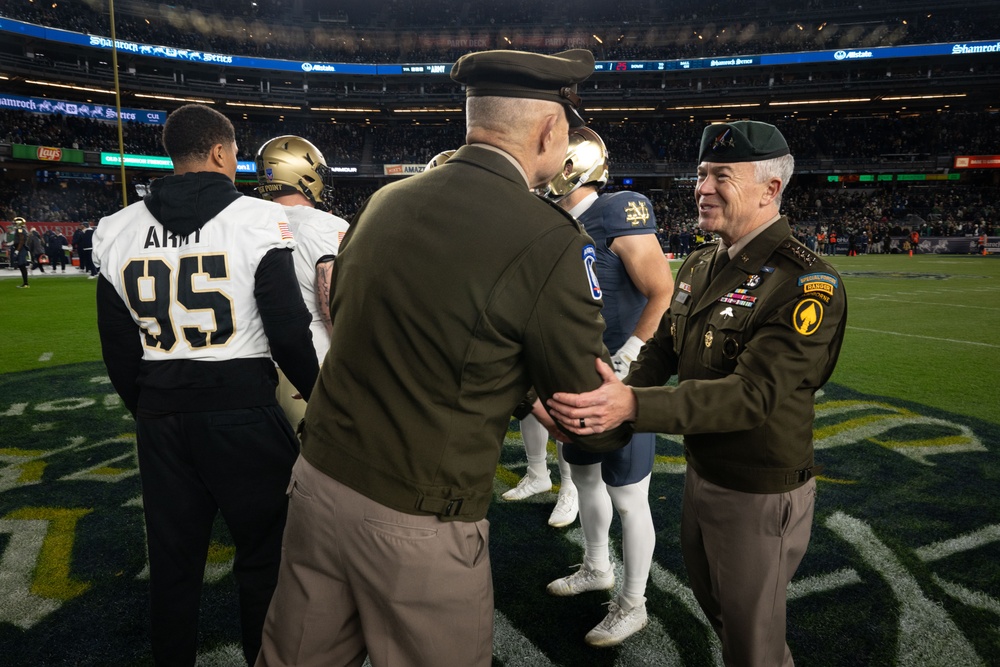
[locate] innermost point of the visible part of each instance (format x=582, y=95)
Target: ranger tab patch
x=823, y=283
x=589, y=259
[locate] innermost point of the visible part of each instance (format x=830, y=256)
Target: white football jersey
x=317, y=235
x=193, y=296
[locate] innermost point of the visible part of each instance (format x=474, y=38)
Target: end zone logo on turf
x=903, y=568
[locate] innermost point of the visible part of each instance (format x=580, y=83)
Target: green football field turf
x=902, y=569
x=923, y=328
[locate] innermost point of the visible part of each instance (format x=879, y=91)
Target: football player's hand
x=624, y=357
x=541, y=414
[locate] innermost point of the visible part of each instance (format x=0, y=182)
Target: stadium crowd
x=633, y=29
x=877, y=211
x=391, y=32
x=633, y=144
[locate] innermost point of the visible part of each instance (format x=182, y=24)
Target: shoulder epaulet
x=562, y=212
x=798, y=252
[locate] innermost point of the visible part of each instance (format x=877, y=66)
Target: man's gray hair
x=504, y=116
x=777, y=167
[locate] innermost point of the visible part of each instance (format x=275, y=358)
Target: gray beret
x=741, y=141
x=527, y=75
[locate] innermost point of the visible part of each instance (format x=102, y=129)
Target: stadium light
x=346, y=109
x=70, y=86
x=262, y=106
x=626, y=109
x=430, y=110
x=171, y=98
x=922, y=97
x=837, y=101
x=717, y=106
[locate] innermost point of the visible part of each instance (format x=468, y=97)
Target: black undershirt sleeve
x=286, y=319
x=120, y=343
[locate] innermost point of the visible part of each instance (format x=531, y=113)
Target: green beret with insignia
x=741, y=141
x=527, y=75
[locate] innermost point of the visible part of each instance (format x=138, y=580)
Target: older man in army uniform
x=754, y=329
x=455, y=291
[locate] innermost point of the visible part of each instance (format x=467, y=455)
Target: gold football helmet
x=439, y=159
x=20, y=222
x=288, y=164
x=586, y=163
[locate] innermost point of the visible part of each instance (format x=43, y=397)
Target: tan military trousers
x=358, y=578
x=741, y=551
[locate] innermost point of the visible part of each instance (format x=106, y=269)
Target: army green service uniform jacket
x=749, y=348
x=455, y=291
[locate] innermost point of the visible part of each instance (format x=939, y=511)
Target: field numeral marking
x=35, y=567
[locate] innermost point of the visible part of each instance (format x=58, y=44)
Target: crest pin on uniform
x=708, y=339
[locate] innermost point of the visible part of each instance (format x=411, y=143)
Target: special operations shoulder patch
x=589, y=259
x=807, y=316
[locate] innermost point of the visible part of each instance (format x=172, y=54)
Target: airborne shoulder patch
x=589, y=260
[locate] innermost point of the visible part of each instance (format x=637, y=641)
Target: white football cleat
x=581, y=581
x=567, y=507
x=530, y=485
x=620, y=623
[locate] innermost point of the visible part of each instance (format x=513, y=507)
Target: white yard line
x=922, y=303
x=943, y=340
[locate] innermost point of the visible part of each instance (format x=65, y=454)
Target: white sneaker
x=620, y=624
x=529, y=486
x=581, y=581
x=567, y=507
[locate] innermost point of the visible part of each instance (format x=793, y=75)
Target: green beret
x=741, y=141
x=527, y=75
